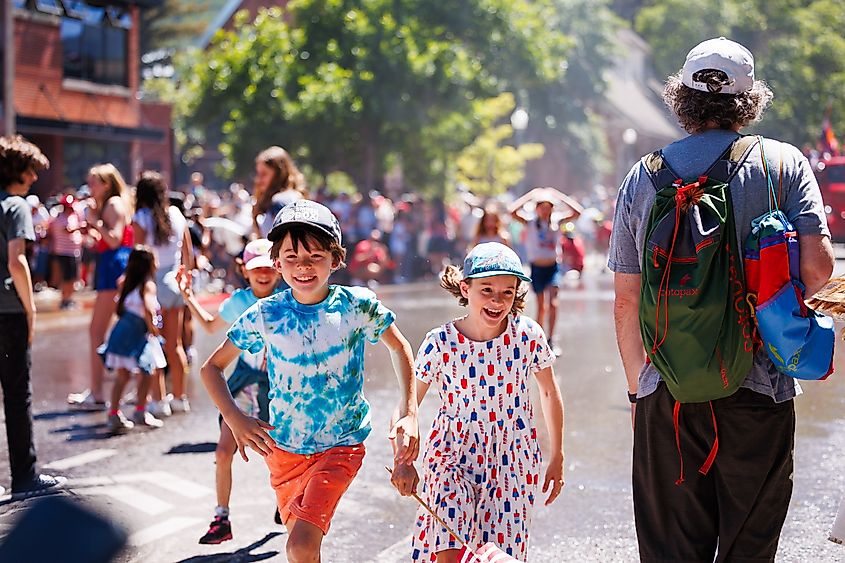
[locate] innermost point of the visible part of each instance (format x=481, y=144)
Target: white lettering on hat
x=299, y=216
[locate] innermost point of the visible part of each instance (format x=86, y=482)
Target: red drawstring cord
x=675, y=415
x=711, y=457
x=663, y=288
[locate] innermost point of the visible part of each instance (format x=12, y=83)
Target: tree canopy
x=353, y=86
x=798, y=47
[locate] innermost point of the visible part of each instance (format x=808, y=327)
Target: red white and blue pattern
x=482, y=458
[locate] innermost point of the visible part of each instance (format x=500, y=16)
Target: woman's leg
x=173, y=350
x=104, y=308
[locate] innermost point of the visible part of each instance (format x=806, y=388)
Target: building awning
x=94, y=131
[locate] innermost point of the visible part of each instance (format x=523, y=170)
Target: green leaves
x=354, y=85
x=798, y=47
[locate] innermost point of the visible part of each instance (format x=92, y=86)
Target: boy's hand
x=405, y=478
x=405, y=436
x=252, y=432
x=554, y=478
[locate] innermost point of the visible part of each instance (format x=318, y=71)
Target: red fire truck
x=831, y=176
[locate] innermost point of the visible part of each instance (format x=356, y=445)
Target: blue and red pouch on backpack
x=798, y=340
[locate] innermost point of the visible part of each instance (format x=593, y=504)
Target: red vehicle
x=831, y=176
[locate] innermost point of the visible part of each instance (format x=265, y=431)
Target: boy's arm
x=404, y=432
x=22, y=279
x=208, y=321
x=552, y=405
x=404, y=476
x=247, y=431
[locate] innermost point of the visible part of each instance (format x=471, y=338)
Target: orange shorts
x=309, y=487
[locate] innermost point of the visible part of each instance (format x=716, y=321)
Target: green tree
x=798, y=46
x=486, y=166
x=175, y=23
x=350, y=85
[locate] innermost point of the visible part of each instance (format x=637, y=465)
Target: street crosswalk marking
x=167, y=481
x=133, y=497
x=81, y=459
x=161, y=530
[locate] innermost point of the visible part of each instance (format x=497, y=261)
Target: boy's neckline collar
x=294, y=304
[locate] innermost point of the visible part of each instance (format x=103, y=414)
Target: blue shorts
x=110, y=266
x=543, y=277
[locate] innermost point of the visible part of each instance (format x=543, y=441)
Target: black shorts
x=68, y=267
x=737, y=510
x=543, y=277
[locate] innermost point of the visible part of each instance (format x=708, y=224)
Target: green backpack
x=696, y=325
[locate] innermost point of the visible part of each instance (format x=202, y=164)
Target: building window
x=95, y=45
x=80, y=155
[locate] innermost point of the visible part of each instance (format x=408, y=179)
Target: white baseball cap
x=720, y=54
x=257, y=254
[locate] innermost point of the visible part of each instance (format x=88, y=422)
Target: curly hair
x=697, y=110
x=151, y=193
x=451, y=280
x=286, y=176
x=17, y=155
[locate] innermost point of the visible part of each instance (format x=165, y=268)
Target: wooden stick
x=438, y=518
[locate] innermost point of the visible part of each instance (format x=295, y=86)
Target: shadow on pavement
x=84, y=432
x=52, y=415
x=242, y=555
x=198, y=448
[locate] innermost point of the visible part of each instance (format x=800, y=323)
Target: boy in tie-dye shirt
x=314, y=336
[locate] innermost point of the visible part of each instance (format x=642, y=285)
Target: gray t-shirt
x=15, y=222
x=801, y=201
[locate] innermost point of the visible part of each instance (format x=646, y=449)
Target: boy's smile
x=305, y=269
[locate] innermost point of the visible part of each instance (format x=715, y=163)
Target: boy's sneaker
x=219, y=530
x=38, y=485
x=159, y=408
x=85, y=401
x=118, y=424
x=144, y=419
x=180, y=405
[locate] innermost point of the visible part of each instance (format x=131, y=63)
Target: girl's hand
x=252, y=432
x=405, y=478
x=405, y=435
x=554, y=478
x=185, y=281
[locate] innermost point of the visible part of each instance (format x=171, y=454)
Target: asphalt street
x=159, y=485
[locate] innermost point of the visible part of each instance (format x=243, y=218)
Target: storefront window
x=95, y=47
x=80, y=155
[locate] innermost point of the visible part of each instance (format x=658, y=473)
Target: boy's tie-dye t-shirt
x=315, y=360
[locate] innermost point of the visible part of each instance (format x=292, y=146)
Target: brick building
x=75, y=90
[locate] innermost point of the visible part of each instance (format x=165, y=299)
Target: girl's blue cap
x=493, y=259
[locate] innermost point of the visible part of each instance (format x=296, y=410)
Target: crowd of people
x=296, y=395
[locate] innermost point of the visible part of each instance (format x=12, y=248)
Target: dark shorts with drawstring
x=737, y=510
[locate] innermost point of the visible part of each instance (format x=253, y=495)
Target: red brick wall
x=38, y=79
x=158, y=156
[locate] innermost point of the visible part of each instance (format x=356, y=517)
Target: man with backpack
x=702, y=388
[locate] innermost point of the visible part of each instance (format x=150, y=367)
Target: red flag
x=830, y=144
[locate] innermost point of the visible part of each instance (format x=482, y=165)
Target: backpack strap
x=723, y=168
x=726, y=167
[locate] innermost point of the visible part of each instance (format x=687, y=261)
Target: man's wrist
x=632, y=397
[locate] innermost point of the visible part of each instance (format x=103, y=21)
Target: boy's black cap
x=305, y=212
